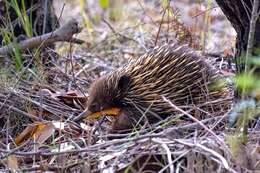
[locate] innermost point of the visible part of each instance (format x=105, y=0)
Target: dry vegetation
x=39, y=101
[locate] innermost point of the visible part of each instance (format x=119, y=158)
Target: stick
x=64, y=33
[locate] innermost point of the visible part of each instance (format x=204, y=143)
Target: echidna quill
x=137, y=90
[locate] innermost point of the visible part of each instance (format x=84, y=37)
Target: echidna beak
x=107, y=112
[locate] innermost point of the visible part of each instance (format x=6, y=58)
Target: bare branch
x=251, y=34
x=64, y=33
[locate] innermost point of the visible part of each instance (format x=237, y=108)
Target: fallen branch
x=64, y=33
x=194, y=119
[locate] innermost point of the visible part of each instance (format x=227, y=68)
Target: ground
x=114, y=34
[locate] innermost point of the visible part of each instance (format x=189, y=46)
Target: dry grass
x=58, y=93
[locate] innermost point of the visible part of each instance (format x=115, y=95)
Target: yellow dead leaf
x=12, y=163
x=39, y=132
x=25, y=135
x=44, y=132
x=109, y=112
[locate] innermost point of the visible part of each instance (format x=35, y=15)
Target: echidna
x=174, y=72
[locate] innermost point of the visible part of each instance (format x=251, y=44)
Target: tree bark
x=238, y=12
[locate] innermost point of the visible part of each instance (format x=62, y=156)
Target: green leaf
x=104, y=4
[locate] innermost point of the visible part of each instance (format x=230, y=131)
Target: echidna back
x=175, y=72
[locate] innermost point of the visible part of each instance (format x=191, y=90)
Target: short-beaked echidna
x=171, y=71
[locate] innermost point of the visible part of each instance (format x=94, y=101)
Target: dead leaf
x=43, y=132
x=25, y=135
x=45, y=92
x=37, y=115
x=70, y=97
x=40, y=132
x=73, y=98
x=12, y=163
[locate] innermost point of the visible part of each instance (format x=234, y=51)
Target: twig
x=117, y=33
x=14, y=150
x=194, y=119
x=175, y=160
x=64, y=33
x=169, y=130
x=20, y=111
x=93, y=148
x=168, y=152
x=251, y=34
x=203, y=12
x=214, y=153
x=160, y=26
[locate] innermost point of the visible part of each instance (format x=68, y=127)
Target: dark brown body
x=175, y=72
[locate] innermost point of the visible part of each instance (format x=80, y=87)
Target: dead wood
x=64, y=33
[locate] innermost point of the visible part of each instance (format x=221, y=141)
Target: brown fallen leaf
x=43, y=132
x=40, y=114
x=12, y=163
x=39, y=132
x=71, y=98
x=25, y=135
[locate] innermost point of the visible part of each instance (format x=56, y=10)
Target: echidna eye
x=94, y=108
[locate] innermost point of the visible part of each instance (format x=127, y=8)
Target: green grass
x=7, y=31
x=26, y=20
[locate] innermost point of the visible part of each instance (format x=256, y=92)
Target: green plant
x=16, y=55
x=248, y=85
x=26, y=20
x=7, y=31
